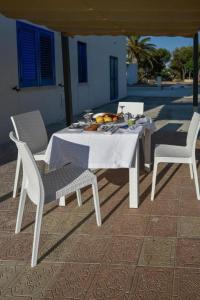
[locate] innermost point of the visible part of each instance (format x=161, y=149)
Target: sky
x=171, y=43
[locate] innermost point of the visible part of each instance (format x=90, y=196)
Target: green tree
x=140, y=49
x=151, y=61
x=167, y=74
x=189, y=67
x=160, y=58
x=182, y=62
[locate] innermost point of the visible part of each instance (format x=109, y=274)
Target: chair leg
x=15, y=189
x=96, y=203
x=196, y=179
x=62, y=201
x=36, y=237
x=41, y=166
x=78, y=195
x=154, y=180
x=147, y=150
x=191, y=171
x=20, y=210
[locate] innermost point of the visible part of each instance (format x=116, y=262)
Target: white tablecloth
x=91, y=149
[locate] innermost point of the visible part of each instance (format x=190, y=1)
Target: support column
x=67, y=78
x=195, y=71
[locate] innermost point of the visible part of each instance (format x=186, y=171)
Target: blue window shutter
x=36, y=58
x=27, y=55
x=82, y=62
x=46, y=58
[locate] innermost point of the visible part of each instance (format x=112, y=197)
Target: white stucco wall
x=97, y=90
x=49, y=100
x=132, y=73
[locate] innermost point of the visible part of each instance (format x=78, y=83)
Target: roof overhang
x=109, y=17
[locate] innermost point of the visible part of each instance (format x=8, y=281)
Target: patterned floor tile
x=57, y=222
x=111, y=282
x=8, y=272
x=166, y=206
x=8, y=220
x=113, y=204
x=5, y=238
x=188, y=193
x=168, y=189
x=57, y=248
x=171, y=170
x=8, y=203
x=32, y=281
x=123, y=250
x=187, y=253
x=88, y=249
x=157, y=252
x=187, y=284
x=162, y=226
x=75, y=248
x=15, y=298
x=152, y=284
x=18, y=247
x=144, y=208
x=89, y=226
x=189, y=211
x=189, y=227
x=71, y=282
x=79, y=260
x=11, y=204
x=130, y=225
x=109, y=193
x=189, y=205
x=72, y=205
x=117, y=224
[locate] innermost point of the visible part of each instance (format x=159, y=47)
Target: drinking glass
x=88, y=116
x=122, y=109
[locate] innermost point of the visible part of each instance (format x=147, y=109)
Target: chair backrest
x=29, y=128
x=193, y=131
x=135, y=108
x=31, y=175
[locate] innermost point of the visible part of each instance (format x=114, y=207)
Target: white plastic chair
x=47, y=187
x=29, y=127
x=135, y=108
x=179, y=154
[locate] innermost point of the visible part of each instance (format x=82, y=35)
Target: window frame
x=39, y=82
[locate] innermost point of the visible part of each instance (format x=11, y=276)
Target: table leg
x=147, y=149
x=134, y=181
x=62, y=201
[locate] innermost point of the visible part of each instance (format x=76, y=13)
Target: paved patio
x=148, y=253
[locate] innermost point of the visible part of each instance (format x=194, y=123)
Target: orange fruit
x=99, y=119
x=107, y=119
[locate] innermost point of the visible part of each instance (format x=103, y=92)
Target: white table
x=96, y=150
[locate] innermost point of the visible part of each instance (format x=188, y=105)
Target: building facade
x=106, y=71
x=31, y=72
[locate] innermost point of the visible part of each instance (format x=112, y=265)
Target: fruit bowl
x=101, y=118
x=99, y=115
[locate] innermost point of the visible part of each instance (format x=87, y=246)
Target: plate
x=75, y=129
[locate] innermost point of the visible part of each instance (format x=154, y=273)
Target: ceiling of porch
x=113, y=17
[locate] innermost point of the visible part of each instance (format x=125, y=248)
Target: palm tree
x=140, y=50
